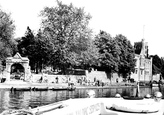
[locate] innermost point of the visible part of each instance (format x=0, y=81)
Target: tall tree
x=66, y=27
x=43, y=49
x=27, y=46
x=24, y=44
x=7, y=28
x=90, y=57
x=108, y=51
x=37, y=48
x=127, y=55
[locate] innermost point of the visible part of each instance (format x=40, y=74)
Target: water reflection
x=17, y=99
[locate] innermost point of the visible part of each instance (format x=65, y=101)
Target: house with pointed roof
x=143, y=68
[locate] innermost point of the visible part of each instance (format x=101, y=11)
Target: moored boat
x=59, y=88
x=136, y=106
x=132, y=98
x=39, y=89
x=20, y=89
x=96, y=106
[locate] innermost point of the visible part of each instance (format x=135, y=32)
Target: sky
x=135, y=19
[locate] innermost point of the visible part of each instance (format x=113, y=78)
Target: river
x=25, y=99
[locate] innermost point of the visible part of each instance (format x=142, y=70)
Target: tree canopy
x=116, y=54
x=138, y=47
x=7, y=29
x=67, y=28
x=127, y=55
x=65, y=40
x=108, y=51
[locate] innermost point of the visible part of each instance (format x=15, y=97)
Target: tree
x=66, y=27
x=90, y=57
x=127, y=55
x=162, y=68
x=27, y=47
x=157, y=64
x=43, y=49
x=108, y=52
x=37, y=48
x=24, y=43
x=138, y=47
x=7, y=43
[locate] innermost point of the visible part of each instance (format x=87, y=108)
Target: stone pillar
x=26, y=71
x=7, y=71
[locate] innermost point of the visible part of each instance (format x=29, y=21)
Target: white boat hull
x=96, y=106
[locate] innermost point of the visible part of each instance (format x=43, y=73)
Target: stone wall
x=103, y=76
x=52, y=78
x=99, y=75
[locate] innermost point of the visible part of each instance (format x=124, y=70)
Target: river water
x=25, y=99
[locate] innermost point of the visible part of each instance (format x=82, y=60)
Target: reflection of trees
x=4, y=99
x=25, y=99
x=16, y=99
x=125, y=92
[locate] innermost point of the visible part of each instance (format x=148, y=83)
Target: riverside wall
x=89, y=76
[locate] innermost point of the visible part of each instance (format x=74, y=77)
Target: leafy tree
x=108, y=52
x=66, y=27
x=36, y=48
x=127, y=55
x=90, y=56
x=138, y=47
x=7, y=43
x=43, y=49
x=27, y=46
x=157, y=64
x=24, y=44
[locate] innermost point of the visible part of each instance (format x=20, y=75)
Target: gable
x=17, y=56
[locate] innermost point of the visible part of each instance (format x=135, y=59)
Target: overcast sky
x=135, y=19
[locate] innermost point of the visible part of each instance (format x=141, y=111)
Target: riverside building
x=143, y=68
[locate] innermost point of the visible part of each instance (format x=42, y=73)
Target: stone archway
x=17, y=71
x=17, y=60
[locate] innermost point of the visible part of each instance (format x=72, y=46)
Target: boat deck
x=90, y=106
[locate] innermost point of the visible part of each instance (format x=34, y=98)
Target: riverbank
x=62, y=86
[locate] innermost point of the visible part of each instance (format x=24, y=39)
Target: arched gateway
x=17, y=64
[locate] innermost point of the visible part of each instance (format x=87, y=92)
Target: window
x=136, y=71
x=141, y=72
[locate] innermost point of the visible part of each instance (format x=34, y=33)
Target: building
x=143, y=68
x=17, y=67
